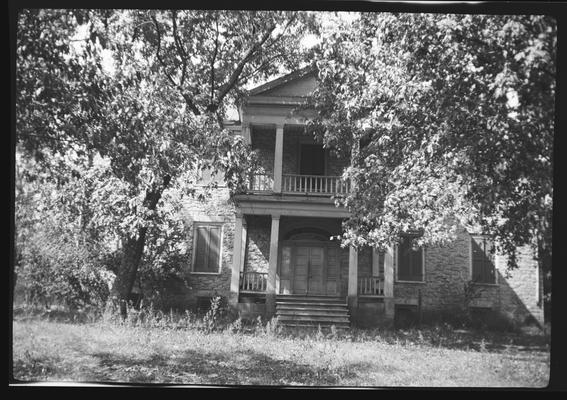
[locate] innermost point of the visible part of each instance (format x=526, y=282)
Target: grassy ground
x=45, y=350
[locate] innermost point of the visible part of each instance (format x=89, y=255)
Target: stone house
x=268, y=251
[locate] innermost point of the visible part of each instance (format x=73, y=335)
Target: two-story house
x=269, y=250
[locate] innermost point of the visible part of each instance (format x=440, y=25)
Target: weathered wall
x=447, y=271
x=257, y=243
x=182, y=292
x=518, y=293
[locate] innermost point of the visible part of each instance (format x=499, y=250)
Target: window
x=410, y=262
x=207, y=248
x=483, y=270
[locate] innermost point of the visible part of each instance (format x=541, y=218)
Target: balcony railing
x=253, y=282
x=371, y=286
x=312, y=184
x=316, y=184
x=261, y=183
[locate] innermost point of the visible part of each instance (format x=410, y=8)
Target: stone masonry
x=516, y=294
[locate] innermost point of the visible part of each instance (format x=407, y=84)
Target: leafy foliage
x=450, y=118
x=124, y=104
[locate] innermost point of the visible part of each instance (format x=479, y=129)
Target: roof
x=282, y=80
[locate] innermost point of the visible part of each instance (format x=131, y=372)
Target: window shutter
x=207, y=248
x=403, y=260
x=416, y=264
x=214, y=248
x=489, y=269
x=201, y=249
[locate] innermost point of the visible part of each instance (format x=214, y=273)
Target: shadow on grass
x=218, y=368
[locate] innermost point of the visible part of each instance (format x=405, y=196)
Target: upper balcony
x=318, y=185
x=294, y=164
x=297, y=176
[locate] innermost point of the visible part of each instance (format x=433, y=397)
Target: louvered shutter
x=201, y=249
x=214, y=249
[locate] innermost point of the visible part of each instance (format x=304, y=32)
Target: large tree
x=142, y=94
x=449, y=120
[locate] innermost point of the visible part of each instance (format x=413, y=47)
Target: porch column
x=237, y=253
x=278, y=159
x=272, y=267
x=389, y=282
x=246, y=132
x=352, y=278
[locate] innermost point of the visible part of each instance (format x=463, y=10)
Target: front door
x=309, y=269
x=315, y=271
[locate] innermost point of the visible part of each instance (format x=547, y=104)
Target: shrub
x=53, y=269
x=215, y=316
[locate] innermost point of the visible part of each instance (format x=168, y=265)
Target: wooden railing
x=319, y=184
x=371, y=286
x=261, y=182
x=253, y=281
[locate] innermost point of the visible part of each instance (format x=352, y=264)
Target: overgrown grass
x=188, y=349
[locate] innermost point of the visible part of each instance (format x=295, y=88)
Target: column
x=389, y=283
x=352, y=279
x=278, y=159
x=237, y=252
x=246, y=133
x=272, y=267
x=375, y=262
x=389, y=272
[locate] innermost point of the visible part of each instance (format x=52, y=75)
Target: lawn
x=48, y=351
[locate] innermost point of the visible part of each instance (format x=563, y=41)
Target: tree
x=145, y=93
x=450, y=118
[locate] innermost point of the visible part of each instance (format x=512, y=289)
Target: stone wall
x=518, y=293
x=257, y=243
x=447, y=271
x=182, y=292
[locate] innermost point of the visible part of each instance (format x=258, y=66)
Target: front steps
x=312, y=311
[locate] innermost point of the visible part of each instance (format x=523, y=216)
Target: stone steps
x=312, y=311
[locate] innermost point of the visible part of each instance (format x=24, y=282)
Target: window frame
x=208, y=224
x=471, y=261
x=397, y=264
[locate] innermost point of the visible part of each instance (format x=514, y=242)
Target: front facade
x=273, y=242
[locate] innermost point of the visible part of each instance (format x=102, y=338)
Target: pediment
x=297, y=84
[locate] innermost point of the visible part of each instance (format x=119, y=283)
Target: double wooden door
x=310, y=268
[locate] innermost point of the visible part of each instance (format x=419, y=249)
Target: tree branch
x=213, y=59
x=238, y=70
x=187, y=99
x=264, y=64
x=180, y=49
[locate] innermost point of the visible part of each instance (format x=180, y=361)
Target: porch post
x=246, y=132
x=389, y=282
x=352, y=279
x=237, y=252
x=278, y=158
x=272, y=267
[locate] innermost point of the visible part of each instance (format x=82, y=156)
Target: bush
x=54, y=270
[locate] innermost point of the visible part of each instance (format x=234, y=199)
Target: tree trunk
x=132, y=252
